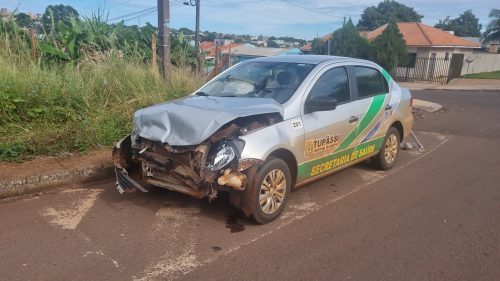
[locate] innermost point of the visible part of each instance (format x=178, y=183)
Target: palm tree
x=492, y=32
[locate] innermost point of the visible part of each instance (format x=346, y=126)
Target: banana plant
x=72, y=37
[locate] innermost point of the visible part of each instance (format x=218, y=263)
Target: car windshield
x=257, y=79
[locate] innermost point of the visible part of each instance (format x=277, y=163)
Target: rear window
x=370, y=82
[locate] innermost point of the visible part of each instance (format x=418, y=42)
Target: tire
x=268, y=204
x=388, y=154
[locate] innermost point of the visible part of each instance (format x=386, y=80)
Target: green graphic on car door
x=347, y=151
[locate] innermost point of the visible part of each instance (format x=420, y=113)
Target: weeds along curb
x=55, y=180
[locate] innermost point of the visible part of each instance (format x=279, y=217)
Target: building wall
x=481, y=62
x=426, y=52
x=431, y=63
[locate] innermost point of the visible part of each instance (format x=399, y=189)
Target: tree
x=186, y=31
x=272, y=44
x=374, y=17
x=209, y=36
x=319, y=47
x=389, y=48
x=347, y=42
x=466, y=25
x=24, y=20
x=54, y=14
x=492, y=32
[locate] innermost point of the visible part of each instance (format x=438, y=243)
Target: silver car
x=265, y=126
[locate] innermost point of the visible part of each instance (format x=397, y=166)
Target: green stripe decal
x=387, y=76
x=373, y=110
x=336, y=160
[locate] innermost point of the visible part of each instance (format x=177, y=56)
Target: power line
x=118, y=3
x=134, y=13
x=310, y=9
x=144, y=12
x=100, y=4
x=141, y=15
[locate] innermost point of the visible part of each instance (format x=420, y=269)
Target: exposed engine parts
x=199, y=170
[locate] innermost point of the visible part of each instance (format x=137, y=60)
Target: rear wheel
x=271, y=190
x=388, y=154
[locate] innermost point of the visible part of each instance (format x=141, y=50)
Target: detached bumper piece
x=124, y=183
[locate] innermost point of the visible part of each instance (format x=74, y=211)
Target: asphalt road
x=435, y=216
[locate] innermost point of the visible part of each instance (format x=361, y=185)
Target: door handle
x=388, y=107
x=353, y=119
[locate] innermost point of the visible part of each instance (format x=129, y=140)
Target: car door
x=372, y=102
x=326, y=130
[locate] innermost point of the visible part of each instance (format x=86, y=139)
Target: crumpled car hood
x=191, y=120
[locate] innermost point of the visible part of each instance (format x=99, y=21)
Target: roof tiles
x=419, y=34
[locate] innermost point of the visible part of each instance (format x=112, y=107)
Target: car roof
x=308, y=59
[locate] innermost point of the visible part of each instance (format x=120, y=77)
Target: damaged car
x=265, y=126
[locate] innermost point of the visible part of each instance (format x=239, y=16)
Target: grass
x=60, y=108
x=484, y=75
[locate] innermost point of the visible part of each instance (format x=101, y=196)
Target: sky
x=256, y=17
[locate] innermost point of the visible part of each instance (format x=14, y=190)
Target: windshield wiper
x=201, y=94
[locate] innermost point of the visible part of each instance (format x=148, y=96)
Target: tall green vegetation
x=389, y=48
x=376, y=16
x=55, y=14
x=492, y=32
x=319, y=46
x=24, y=20
x=81, y=91
x=466, y=25
x=347, y=42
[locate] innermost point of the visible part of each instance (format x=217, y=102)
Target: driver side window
x=333, y=83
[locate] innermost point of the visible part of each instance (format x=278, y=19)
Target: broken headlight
x=224, y=153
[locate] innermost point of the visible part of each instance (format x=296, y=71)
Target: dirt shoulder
x=48, y=172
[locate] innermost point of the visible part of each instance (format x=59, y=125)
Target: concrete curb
x=46, y=182
x=430, y=107
x=459, y=84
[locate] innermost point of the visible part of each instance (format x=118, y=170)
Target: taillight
x=411, y=102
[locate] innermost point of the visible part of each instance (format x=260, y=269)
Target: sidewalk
x=462, y=84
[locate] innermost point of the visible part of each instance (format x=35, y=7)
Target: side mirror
x=323, y=103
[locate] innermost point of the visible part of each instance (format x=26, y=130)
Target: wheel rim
x=272, y=191
x=391, y=148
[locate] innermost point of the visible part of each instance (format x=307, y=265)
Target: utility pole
x=344, y=22
x=164, y=36
x=154, y=59
x=199, y=58
x=197, y=38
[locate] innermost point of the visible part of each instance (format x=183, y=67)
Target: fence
x=430, y=69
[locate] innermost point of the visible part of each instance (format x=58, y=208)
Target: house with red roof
x=208, y=47
x=434, y=54
x=426, y=41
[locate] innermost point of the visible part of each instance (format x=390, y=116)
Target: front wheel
x=271, y=189
x=388, y=154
